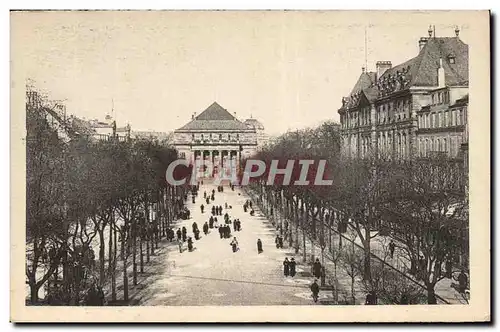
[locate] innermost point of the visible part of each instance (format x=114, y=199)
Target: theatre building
x=218, y=136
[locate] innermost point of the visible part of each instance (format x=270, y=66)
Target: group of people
x=289, y=267
x=225, y=232
x=220, y=189
x=217, y=210
x=247, y=206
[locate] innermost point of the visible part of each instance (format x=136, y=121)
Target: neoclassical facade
x=218, y=136
x=412, y=109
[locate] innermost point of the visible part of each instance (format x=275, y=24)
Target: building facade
x=218, y=136
x=415, y=109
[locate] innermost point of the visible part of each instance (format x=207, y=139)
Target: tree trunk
x=367, y=258
x=113, y=270
x=101, y=256
x=431, y=294
x=141, y=255
x=148, y=238
x=125, y=277
x=33, y=291
x=134, y=253
x=304, y=256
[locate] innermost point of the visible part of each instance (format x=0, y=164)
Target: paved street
x=213, y=275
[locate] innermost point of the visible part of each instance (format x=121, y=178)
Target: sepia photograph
x=257, y=166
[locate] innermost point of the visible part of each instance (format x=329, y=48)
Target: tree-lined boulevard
x=102, y=221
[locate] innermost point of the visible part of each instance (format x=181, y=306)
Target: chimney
x=363, y=69
x=192, y=116
x=441, y=78
x=422, y=42
x=382, y=66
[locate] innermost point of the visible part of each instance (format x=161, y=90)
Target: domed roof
x=254, y=123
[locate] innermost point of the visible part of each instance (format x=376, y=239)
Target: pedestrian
x=202, y=207
x=235, y=226
x=221, y=232
x=211, y=222
x=392, y=247
x=259, y=246
x=208, y=200
x=252, y=212
x=234, y=244
x=462, y=282
x=280, y=241
x=193, y=200
x=213, y=210
x=317, y=268
x=276, y=241
x=216, y=223
x=195, y=227
x=315, y=290
x=286, y=267
x=179, y=234
x=205, y=195
x=225, y=205
x=213, y=197
x=220, y=210
x=293, y=265
x=245, y=207
x=179, y=243
x=251, y=204
x=205, y=228
x=196, y=234
x=190, y=244
x=371, y=298
x=184, y=234
x=213, y=192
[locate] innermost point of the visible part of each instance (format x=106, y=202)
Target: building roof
x=254, y=123
x=215, y=117
x=365, y=80
x=423, y=68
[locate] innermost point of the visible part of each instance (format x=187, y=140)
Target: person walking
x=293, y=265
x=202, y=207
x=184, y=234
x=259, y=246
x=205, y=228
x=211, y=222
x=392, y=247
x=179, y=243
x=234, y=244
x=179, y=234
x=276, y=241
x=195, y=227
x=286, y=267
x=213, y=210
x=317, y=268
x=280, y=241
x=315, y=290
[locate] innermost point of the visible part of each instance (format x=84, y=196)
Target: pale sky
x=287, y=69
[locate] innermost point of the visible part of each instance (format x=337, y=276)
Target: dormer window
x=451, y=59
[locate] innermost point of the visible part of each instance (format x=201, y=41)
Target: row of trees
x=85, y=196
x=420, y=204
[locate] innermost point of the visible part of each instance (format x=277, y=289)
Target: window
x=238, y=137
x=192, y=137
x=453, y=118
x=451, y=59
x=202, y=137
x=228, y=137
x=446, y=119
x=445, y=145
x=459, y=117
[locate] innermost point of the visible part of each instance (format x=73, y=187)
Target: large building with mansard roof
x=415, y=109
x=216, y=134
